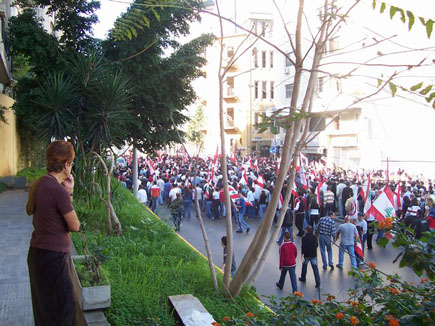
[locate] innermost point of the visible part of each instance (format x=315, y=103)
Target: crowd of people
x=320, y=195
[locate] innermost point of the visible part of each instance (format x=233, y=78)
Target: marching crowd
x=318, y=194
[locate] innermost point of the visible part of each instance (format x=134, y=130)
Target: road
x=335, y=282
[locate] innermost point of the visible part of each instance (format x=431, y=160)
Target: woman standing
x=50, y=202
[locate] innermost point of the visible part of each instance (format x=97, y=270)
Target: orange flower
x=250, y=314
x=298, y=294
x=354, y=303
x=226, y=319
x=394, y=290
x=372, y=265
x=354, y=321
x=339, y=315
x=424, y=280
x=330, y=298
x=388, y=222
x=393, y=322
x=389, y=317
x=314, y=301
x=381, y=225
x=388, y=235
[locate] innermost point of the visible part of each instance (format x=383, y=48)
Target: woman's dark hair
x=414, y=202
x=224, y=240
x=57, y=154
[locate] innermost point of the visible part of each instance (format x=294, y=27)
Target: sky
x=109, y=11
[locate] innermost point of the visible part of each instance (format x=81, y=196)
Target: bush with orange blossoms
x=372, y=265
x=298, y=294
x=250, y=315
x=353, y=320
x=226, y=319
x=339, y=315
x=393, y=322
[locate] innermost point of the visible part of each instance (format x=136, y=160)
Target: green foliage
x=87, y=278
x=32, y=173
x=148, y=263
x=163, y=83
x=147, y=13
x=73, y=18
x=375, y=302
x=419, y=89
x=195, y=126
x=3, y=187
x=404, y=16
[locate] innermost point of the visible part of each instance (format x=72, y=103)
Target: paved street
x=15, y=232
x=335, y=282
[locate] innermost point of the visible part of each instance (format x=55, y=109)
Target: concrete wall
x=9, y=140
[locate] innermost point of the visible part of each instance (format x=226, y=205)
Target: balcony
x=229, y=95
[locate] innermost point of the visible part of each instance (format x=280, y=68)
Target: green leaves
x=404, y=16
x=393, y=88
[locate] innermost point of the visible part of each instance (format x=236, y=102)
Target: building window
x=272, y=89
x=287, y=61
x=264, y=89
x=230, y=51
x=262, y=27
x=271, y=59
x=254, y=54
x=320, y=82
x=317, y=124
x=256, y=118
x=256, y=89
x=230, y=84
x=288, y=90
x=230, y=118
x=263, y=59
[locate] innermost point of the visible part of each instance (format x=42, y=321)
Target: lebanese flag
x=260, y=181
x=244, y=179
x=358, y=246
x=353, y=211
x=303, y=178
x=247, y=203
x=151, y=167
x=233, y=193
x=383, y=206
x=365, y=189
x=399, y=196
x=234, y=158
x=295, y=189
x=255, y=165
x=278, y=163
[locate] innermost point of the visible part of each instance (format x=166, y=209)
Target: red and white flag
x=280, y=201
x=233, y=193
x=383, y=206
x=295, y=189
x=260, y=181
x=244, y=179
x=151, y=167
x=358, y=246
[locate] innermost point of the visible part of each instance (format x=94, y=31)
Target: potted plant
x=91, y=282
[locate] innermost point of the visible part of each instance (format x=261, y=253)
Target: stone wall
x=9, y=140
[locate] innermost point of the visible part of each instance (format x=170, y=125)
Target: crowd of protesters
x=320, y=194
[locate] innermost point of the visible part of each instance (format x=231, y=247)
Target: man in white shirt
x=362, y=224
x=348, y=233
x=173, y=193
x=142, y=195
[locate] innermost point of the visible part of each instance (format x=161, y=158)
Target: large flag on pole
x=260, y=181
x=383, y=206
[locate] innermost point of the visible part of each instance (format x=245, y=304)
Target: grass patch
x=148, y=263
x=32, y=174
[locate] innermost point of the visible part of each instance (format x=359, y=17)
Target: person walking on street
x=286, y=226
x=287, y=262
x=177, y=211
x=233, y=262
x=348, y=234
x=327, y=233
x=309, y=255
x=240, y=211
x=155, y=195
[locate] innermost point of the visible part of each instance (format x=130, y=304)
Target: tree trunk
x=229, y=227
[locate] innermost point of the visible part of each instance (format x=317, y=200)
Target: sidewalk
x=15, y=231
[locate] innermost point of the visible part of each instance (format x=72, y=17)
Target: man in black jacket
x=309, y=254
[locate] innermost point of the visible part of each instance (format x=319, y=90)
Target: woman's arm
x=72, y=221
